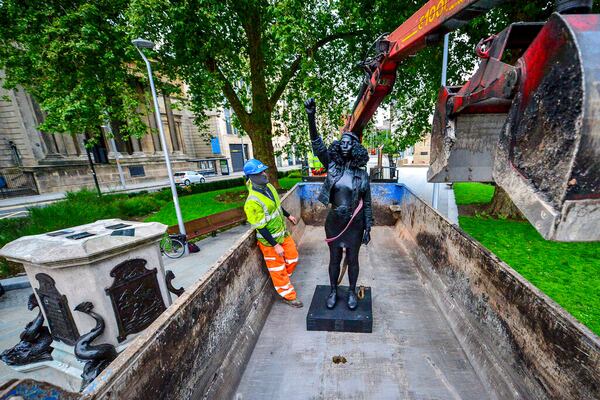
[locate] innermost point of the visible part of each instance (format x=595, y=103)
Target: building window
x=179, y=131
x=15, y=154
x=136, y=170
x=227, y=113
x=424, y=153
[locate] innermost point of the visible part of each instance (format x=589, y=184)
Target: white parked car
x=188, y=177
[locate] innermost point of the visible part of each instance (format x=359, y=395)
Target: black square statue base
x=341, y=318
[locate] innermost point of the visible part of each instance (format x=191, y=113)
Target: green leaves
x=262, y=58
x=74, y=58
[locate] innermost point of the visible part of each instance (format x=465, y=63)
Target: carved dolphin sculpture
x=97, y=357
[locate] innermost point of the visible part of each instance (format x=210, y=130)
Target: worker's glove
x=367, y=236
x=310, y=106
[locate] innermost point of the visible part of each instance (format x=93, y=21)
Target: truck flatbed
x=411, y=354
x=450, y=321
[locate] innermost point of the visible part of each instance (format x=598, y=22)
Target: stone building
x=419, y=154
x=422, y=151
x=235, y=148
x=284, y=156
x=35, y=162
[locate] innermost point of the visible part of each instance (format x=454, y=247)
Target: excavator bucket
x=531, y=123
x=468, y=120
x=548, y=155
x=463, y=147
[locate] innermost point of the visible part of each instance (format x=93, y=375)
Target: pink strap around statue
x=358, y=208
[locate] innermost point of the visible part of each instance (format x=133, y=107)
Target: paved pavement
x=14, y=315
x=188, y=269
x=17, y=206
x=415, y=178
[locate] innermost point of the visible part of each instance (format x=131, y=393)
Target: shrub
x=163, y=195
x=139, y=206
x=210, y=186
x=10, y=228
x=77, y=209
x=295, y=174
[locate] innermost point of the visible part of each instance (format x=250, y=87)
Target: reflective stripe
x=293, y=260
x=260, y=223
x=274, y=215
x=268, y=215
x=259, y=201
x=270, y=258
x=266, y=219
x=283, y=287
x=275, y=235
x=286, y=292
x=275, y=269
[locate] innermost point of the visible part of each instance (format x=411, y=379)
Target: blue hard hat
x=253, y=167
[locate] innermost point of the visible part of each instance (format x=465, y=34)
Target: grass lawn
x=203, y=204
x=567, y=272
x=473, y=193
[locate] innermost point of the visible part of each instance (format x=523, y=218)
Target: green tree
x=263, y=58
x=391, y=143
x=75, y=59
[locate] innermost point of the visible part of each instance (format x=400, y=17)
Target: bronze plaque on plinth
x=56, y=308
x=135, y=296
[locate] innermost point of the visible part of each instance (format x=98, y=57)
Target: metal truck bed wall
x=521, y=342
x=521, y=338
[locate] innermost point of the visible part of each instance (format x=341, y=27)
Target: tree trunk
x=261, y=136
x=502, y=206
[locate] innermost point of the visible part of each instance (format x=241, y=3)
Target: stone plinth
x=116, y=265
x=340, y=318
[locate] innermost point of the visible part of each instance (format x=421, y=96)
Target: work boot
x=294, y=303
x=352, y=300
x=331, y=299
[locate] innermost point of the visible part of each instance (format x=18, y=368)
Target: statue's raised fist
x=310, y=106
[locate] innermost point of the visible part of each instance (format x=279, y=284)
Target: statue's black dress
x=340, y=213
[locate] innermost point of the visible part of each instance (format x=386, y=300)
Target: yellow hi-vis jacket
x=314, y=162
x=263, y=212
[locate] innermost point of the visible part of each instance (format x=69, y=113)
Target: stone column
x=171, y=124
x=137, y=147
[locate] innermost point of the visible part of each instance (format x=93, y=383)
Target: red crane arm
x=426, y=26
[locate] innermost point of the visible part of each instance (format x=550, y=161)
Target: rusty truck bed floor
x=411, y=354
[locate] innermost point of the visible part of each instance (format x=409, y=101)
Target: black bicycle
x=173, y=246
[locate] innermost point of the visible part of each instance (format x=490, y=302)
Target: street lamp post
x=146, y=44
x=89, y=157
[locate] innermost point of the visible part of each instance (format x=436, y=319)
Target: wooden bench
x=212, y=223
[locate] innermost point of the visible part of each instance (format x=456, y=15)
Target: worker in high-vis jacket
x=265, y=213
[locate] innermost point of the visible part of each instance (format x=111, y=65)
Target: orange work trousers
x=281, y=268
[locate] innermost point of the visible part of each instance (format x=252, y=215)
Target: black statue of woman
x=96, y=357
x=349, y=221
x=35, y=341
